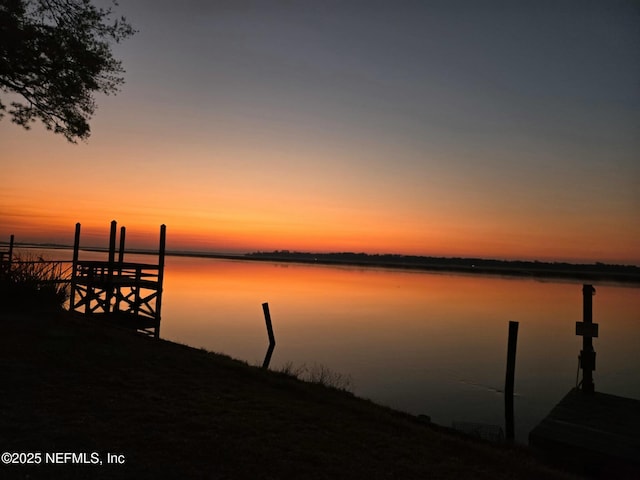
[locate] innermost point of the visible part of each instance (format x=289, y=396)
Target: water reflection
x=424, y=343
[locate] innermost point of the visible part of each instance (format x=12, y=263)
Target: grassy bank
x=176, y=412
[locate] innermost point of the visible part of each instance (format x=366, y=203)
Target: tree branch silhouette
x=56, y=55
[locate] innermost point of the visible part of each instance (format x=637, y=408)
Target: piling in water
x=509, y=381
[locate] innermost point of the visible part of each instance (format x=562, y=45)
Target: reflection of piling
x=272, y=340
x=509, y=381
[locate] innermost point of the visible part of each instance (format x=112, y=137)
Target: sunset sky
x=457, y=128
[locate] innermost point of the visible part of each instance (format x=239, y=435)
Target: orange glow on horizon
x=238, y=237
x=222, y=210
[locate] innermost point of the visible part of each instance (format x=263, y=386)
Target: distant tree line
x=519, y=267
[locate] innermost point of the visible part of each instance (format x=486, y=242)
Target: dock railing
x=126, y=293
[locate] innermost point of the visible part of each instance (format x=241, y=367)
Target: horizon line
x=211, y=253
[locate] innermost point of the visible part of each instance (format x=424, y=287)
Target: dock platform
x=125, y=293
x=593, y=434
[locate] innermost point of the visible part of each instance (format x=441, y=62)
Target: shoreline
x=472, y=269
x=232, y=420
x=625, y=275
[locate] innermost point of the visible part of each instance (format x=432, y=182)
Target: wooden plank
x=93, y=264
x=587, y=329
x=103, y=282
x=592, y=432
x=127, y=320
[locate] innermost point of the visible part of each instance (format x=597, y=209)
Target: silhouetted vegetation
x=595, y=271
x=56, y=55
x=320, y=374
x=33, y=284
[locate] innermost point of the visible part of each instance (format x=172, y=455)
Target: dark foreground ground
x=169, y=411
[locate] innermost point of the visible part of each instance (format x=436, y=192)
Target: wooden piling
x=118, y=290
x=74, y=268
x=110, y=267
x=272, y=339
x=509, y=381
x=11, y=239
x=592, y=433
x=588, y=354
x=6, y=258
x=123, y=233
x=161, y=252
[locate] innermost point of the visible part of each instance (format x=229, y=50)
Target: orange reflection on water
x=421, y=342
x=346, y=308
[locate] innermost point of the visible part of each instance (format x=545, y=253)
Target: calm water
x=419, y=342
x=424, y=343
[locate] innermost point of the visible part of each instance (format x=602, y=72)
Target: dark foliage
x=33, y=285
x=56, y=55
x=595, y=271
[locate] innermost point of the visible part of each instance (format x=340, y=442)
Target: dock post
x=11, y=239
x=587, y=330
x=112, y=243
x=112, y=259
x=161, y=253
x=123, y=232
x=272, y=339
x=118, y=291
x=509, y=381
x=74, y=268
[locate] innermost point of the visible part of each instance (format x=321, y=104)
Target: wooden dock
x=593, y=434
x=125, y=293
